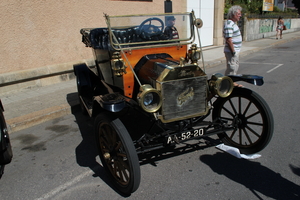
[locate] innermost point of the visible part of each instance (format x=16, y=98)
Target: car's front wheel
x=250, y=117
x=117, y=153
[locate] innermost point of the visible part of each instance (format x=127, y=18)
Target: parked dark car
x=5, y=146
x=147, y=91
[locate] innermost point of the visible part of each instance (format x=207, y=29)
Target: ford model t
x=147, y=91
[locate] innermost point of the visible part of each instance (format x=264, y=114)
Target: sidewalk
x=34, y=106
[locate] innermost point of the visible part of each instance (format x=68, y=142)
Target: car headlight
x=149, y=98
x=221, y=85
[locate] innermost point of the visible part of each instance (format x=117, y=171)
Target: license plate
x=185, y=135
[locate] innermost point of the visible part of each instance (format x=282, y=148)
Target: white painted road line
x=66, y=185
x=274, y=68
x=258, y=63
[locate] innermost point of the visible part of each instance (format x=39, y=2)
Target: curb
x=38, y=117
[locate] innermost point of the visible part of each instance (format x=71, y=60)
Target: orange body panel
x=135, y=55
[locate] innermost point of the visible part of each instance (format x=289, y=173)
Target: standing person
x=170, y=30
x=279, y=27
x=233, y=40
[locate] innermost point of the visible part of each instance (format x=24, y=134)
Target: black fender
x=1, y=106
x=82, y=73
x=253, y=79
x=112, y=102
x=86, y=80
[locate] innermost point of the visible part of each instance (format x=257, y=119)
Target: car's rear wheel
x=117, y=153
x=251, y=118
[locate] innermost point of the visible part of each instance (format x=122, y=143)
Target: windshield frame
x=185, y=22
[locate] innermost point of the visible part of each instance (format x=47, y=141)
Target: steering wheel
x=149, y=31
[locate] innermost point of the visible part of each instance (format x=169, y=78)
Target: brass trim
x=156, y=14
x=186, y=117
x=216, y=81
x=144, y=90
x=117, y=46
x=116, y=58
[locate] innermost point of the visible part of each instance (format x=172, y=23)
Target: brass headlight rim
x=144, y=90
x=230, y=89
x=216, y=83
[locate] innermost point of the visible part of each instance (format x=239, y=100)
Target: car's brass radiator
x=184, y=98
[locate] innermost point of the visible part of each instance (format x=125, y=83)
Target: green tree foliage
x=249, y=6
x=276, y=9
x=254, y=7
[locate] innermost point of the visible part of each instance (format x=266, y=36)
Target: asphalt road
x=58, y=159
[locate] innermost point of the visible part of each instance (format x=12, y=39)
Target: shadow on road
x=184, y=148
x=86, y=152
x=253, y=175
x=295, y=170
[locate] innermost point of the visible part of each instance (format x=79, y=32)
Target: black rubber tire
x=117, y=153
x=6, y=154
x=251, y=117
x=1, y=170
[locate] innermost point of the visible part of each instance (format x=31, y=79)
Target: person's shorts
x=232, y=63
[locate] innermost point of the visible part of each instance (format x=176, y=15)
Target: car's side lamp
x=198, y=23
x=117, y=64
x=194, y=54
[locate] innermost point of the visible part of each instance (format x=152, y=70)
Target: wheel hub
x=239, y=121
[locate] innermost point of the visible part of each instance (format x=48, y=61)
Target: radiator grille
x=184, y=98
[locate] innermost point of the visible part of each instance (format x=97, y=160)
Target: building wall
x=204, y=10
x=218, y=22
x=40, y=40
x=42, y=33
x=260, y=28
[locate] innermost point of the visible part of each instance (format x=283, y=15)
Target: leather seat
x=99, y=37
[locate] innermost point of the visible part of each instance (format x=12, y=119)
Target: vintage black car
x=148, y=91
x=5, y=146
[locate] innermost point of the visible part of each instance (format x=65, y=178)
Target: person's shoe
x=277, y=38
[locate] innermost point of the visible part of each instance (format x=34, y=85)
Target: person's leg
x=277, y=33
x=280, y=34
x=232, y=63
x=232, y=66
